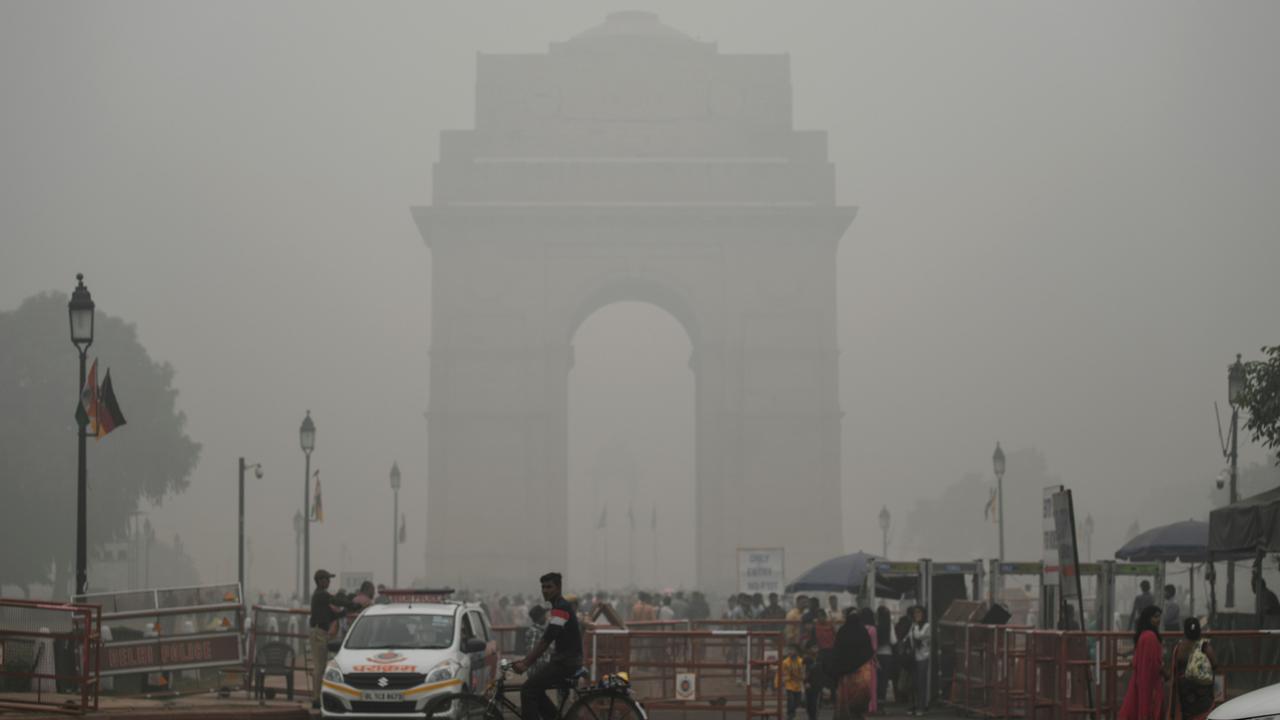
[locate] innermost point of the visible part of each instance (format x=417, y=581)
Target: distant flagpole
x=602, y=525
x=653, y=527
x=631, y=546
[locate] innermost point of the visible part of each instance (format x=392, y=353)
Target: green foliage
x=1262, y=399
x=147, y=458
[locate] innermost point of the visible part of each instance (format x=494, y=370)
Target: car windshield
x=401, y=632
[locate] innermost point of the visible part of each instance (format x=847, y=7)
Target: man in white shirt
x=666, y=612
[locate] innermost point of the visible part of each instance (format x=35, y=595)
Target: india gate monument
x=632, y=163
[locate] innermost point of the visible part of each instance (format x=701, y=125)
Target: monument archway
x=632, y=163
x=631, y=450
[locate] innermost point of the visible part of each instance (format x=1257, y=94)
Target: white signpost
x=1048, y=526
x=760, y=570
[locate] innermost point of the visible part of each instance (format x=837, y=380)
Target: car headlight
x=333, y=674
x=444, y=670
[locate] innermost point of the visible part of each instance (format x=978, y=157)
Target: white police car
x=396, y=657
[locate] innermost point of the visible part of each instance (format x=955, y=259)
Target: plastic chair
x=273, y=658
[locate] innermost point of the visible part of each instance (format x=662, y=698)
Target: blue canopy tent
x=846, y=573
x=1186, y=541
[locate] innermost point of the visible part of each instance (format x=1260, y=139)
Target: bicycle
x=609, y=699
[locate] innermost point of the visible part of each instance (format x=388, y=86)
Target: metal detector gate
x=1112, y=570
x=997, y=593
x=1104, y=573
x=925, y=571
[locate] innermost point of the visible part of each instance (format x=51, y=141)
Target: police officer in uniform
x=565, y=638
x=324, y=617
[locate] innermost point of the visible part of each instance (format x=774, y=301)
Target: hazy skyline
x=1067, y=229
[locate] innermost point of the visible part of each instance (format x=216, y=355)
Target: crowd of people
x=852, y=657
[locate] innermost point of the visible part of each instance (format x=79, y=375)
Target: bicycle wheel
x=605, y=705
x=463, y=706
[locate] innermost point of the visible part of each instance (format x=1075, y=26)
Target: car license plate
x=382, y=696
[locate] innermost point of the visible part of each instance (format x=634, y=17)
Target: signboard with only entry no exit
x=760, y=570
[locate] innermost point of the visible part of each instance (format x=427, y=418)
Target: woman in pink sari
x=869, y=622
x=1144, y=699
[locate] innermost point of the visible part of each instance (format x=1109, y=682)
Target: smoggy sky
x=1067, y=229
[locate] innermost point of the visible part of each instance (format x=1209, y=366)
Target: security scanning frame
x=1104, y=572
x=924, y=572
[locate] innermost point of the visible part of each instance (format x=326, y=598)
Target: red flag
x=109, y=415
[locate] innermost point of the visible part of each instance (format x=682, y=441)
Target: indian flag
x=87, y=408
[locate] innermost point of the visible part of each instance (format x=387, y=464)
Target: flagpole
x=653, y=526
x=307, y=440
x=82, y=555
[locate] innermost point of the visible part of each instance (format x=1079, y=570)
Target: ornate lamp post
x=298, y=521
x=307, y=438
x=395, y=529
x=1235, y=387
x=80, y=318
x=997, y=464
x=884, y=531
x=257, y=472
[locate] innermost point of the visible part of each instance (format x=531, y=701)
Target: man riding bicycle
x=566, y=657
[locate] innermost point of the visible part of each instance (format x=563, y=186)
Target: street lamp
x=307, y=438
x=298, y=520
x=1088, y=537
x=997, y=463
x=257, y=472
x=1235, y=391
x=80, y=318
x=884, y=531
x=395, y=530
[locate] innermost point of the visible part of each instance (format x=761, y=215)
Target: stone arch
x=695, y=195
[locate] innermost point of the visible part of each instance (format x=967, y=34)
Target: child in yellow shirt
x=791, y=678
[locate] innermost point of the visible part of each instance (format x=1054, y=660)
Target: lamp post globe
x=80, y=315
x=307, y=434
x=307, y=439
x=80, y=319
x=997, y=460
x=395, y=476
x=1235, y=381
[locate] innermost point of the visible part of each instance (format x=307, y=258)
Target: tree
x=1261, y=398
x=147, y=458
